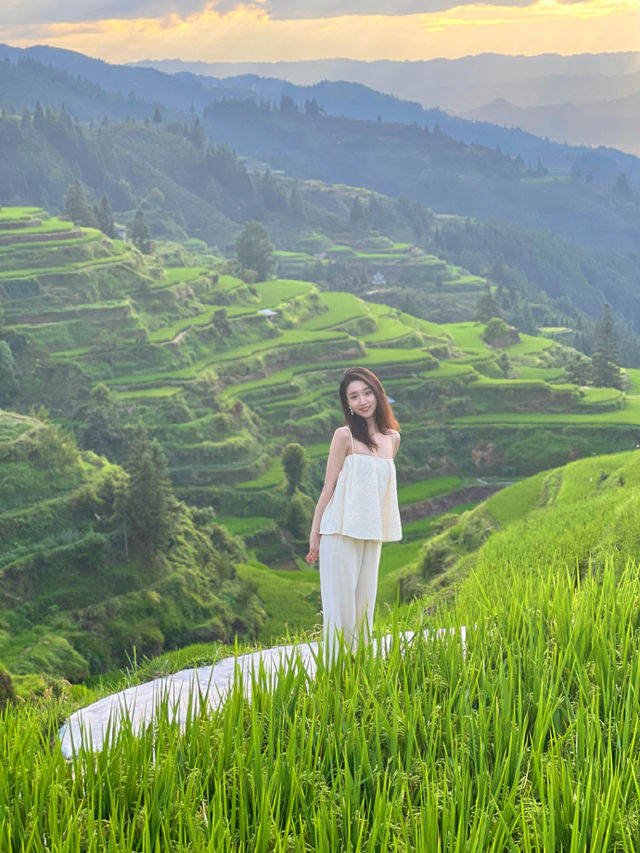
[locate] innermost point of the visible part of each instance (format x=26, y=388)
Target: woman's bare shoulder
x=342, y=434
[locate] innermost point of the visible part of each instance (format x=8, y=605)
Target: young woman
x=357, y=510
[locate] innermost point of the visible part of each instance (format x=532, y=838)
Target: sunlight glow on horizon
x=248, y=34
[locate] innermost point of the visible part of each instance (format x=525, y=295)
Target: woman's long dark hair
x=385, y=419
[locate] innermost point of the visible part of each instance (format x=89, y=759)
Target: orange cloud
x=247, y=33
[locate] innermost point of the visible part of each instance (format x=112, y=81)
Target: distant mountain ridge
x=470, y=85
x=453, y=84
x=138, y=87
x=613, y=122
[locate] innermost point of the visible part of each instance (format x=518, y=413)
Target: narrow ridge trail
x=97, y=725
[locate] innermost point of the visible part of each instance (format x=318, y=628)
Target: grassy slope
x=522, y=737
x=579, y=515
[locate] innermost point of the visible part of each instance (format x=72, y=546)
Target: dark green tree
x=311, y=108
x=605, y=358
x=101, y=432
x=579, y=370
x=299, y=515
x=8, y=382
x=39, y=121
x=496, y=332
x=76, y=207
x=104, y=217
x=294, y=461
x=140, y=234
x=504, y=364
x=288, y=105
x=487, y=307
x=254, y=250
x=150, y=499
x=157, y=116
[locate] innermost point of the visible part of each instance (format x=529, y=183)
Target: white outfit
x=361, y=515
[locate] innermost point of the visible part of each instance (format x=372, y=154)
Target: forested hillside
x=191, y=188
x=98, y=563
x=470, y=85
x=429, y=158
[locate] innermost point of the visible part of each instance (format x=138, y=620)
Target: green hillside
x=186, y=351
x=79, y=590
x=192, y=187
x=110, y=340
x=582, y=516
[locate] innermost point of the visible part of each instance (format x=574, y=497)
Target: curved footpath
x=98, y=724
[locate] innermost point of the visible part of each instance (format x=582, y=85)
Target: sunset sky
x=270, y=30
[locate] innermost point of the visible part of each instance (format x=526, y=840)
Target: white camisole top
x=364, y=504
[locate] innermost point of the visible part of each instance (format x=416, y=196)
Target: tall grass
x=526, y=739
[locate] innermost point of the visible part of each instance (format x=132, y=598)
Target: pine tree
x=140, y=234
x=254, y=250
x=150, y=499
x=38, y=117
x=504, y=364
x=487, y=307
x=75, y=204
x=104, y=217
x=294, y=461
x=196, y=135
x=605, y=358
x=101, y=432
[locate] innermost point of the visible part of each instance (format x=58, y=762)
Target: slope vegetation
x=579, y=517
x=75, y=596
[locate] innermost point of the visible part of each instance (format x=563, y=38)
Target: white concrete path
x=97, y=724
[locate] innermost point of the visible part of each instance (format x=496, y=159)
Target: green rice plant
x=520, y=733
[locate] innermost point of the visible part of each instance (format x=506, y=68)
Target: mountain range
x=181, y=87
x=470, y=86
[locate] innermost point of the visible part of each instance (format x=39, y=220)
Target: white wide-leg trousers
x=348, y=584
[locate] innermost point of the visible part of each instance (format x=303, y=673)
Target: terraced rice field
x=192, y=352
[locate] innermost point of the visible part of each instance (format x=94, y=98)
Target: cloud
x=41, y=12
x=25, y=12
x=259, y=31
x=294, y=9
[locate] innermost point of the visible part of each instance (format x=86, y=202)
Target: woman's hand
x=314, y=548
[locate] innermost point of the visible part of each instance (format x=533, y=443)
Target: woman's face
x=361, y=398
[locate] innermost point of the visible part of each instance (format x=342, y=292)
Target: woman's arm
x=337, y=455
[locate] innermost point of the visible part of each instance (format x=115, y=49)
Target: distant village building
x=268, y=313
x=121, y=232
x=378, y=279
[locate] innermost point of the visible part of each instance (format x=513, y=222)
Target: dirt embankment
x=444, y=503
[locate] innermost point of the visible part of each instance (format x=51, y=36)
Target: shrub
x=7, y=692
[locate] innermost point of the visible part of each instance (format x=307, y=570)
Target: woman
x=357, y=510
